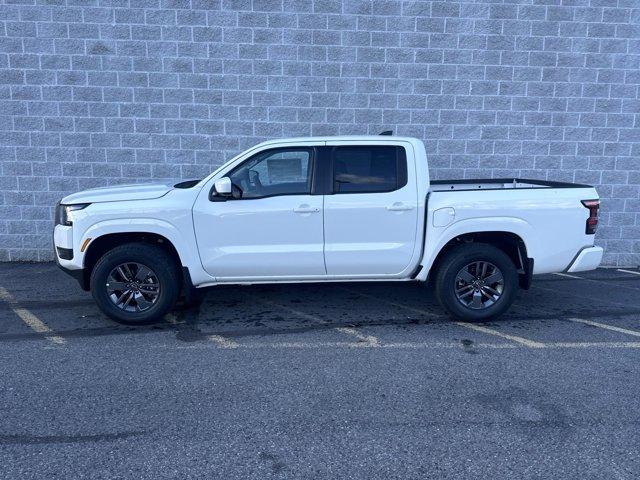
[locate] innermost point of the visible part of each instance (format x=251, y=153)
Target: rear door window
x=368, y=169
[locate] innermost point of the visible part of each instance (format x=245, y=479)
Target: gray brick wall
x=98, y=92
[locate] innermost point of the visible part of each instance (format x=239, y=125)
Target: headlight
x=62, y=213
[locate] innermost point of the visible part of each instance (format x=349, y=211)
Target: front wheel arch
x=104, y=243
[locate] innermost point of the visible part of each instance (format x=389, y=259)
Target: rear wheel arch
x=510, y=243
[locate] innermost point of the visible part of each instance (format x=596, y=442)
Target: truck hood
x=140, y=191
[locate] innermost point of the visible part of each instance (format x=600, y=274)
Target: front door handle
x=304, y=208
x=399, y=207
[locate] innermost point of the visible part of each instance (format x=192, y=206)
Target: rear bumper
x=587, y=259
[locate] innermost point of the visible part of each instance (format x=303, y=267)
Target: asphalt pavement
x=357, y=380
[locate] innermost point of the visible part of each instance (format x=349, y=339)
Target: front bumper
x=588, y=259
x=63, y=252
x=78, y=275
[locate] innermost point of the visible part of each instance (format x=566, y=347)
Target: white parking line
x=33, y=322
x=287, y=308
x=369, y=339
x=417, y=346
x=605, y=326
x=395, y=345
x=569, y=276
x=223, y=342
x=592, y=345
x=491, y=331
x=597, y=280
x=628, y=271
x=577, y=295
x=395, y=304
x=478, y=328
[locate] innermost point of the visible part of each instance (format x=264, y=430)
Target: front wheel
x=135, y=284
x=476, y=282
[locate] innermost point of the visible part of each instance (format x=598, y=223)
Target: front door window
x=275, y=172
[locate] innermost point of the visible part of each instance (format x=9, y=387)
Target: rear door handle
x=399, y=207
x=306, y=209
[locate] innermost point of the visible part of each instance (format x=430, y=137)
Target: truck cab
x=324, y=209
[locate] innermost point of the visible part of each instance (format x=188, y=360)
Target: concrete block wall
x=99, y=92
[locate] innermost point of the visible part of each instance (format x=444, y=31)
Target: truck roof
x=340, y=138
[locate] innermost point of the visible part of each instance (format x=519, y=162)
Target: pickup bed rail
x=498, y=184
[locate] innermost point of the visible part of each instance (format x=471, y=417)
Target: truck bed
x=498, y=184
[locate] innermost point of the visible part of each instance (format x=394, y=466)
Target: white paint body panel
x=550, y=221
x=260, y=238
x=120, y=193
x=587, y=259
x=63, y=236
x=346, y=236
x=373, y=234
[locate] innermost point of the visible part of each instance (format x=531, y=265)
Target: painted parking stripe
x=223, y=342
x=597, y=280
x=369, y=339
x=219, y=340
x=394, y=345
x=421, y=345
x=613, y=345
x=471, y=326
x=491, y=331
x=33, y=322
x=569, y=276
x=627, y=287
x=577, y=295
x=605, y=326
x=396, y=304
x=628, y=271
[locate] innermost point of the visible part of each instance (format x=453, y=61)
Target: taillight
x=592, y=221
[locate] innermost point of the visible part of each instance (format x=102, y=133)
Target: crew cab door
x=371, y=211
x=271, y=227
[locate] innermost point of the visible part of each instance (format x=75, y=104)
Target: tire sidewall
x=150, y=256
x=463, y=256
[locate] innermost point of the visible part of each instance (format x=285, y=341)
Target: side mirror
x=223, y=186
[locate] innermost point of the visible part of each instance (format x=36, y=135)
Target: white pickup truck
x=324, y=209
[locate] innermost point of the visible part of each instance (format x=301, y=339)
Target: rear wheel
x=135, y=284
x=476, y=282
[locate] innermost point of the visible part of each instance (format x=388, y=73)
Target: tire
x=152, y=296
x=458, y=275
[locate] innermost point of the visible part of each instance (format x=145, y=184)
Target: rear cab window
x=368, y=169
